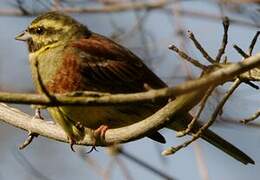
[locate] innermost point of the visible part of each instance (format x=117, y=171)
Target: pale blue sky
x=56, y=160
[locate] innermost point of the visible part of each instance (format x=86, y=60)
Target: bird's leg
x=99, y=134
x=37, y=114
x=72, y=142
x=31, y=135
x=79, y=128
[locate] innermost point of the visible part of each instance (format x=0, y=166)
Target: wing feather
x=107, y=66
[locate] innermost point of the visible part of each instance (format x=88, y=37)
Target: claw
x=28, y=140
x=92, y=149
x=31, y=135
x=72, y=143
x=99, y=133
x=37, y=114
x=71, y=147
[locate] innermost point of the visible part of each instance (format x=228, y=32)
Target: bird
x=66, y=56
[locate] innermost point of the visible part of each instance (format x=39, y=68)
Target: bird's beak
x=23, y=36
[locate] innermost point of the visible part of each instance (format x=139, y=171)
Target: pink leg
x=100, y=132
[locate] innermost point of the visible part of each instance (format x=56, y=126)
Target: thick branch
x=178, y=107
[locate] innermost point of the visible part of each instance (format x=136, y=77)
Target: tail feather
x=227, y=147
x=212, y=138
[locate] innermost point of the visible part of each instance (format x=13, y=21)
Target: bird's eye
x=39, y=30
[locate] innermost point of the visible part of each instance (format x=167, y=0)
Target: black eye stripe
x=41, y=30
x=36, y=30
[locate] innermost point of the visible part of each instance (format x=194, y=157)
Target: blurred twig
x=145, y=165
x=123, y=168
x=116, y=7
x=202, y=167
x=126, y=6
x=26, y=164
x=252, y=118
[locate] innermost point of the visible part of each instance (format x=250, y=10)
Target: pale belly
x=113, y=117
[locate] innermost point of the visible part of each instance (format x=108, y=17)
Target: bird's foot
x=72, y=142
x=93, y=148
x=37, y=114
x=99, y=134
x=76, y=134
x=31, y=135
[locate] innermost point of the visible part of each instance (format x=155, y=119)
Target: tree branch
x=221, y=75
x=113, y=136
x=140, y=129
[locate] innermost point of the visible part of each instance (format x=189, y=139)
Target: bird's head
x=50, y=28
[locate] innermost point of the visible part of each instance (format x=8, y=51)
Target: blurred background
x=147, y=30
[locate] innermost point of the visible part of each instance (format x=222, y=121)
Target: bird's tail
x=181, y=120
x=181, y=123
x=227, y=147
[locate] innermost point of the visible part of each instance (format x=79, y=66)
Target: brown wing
x=107, y=66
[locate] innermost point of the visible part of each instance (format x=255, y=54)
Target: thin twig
x=249, y=83
x=145, y=165
x=187, y=57
x=240, y=51
x=196, y=117
x=214, y=115
x=252, y=118
x=222, y=48
x=245, y=55
x=200, y=48
x=252, y=45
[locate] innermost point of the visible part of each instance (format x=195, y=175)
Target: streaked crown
x=49, y=28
